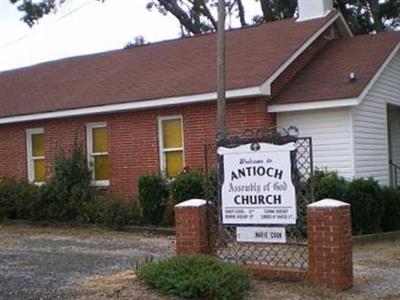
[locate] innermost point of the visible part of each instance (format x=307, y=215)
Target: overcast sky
x=82, y=27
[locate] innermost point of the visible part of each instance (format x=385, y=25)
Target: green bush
x=153, y=196
x=300, y=230
x=21, y=200
x=200, y=277
x=70, y=189
x=211, y=187
x=112, y=212
x=329, y=185
x=391, y=214
x=365, y=197
x=188, y=185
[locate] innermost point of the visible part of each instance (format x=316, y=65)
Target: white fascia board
x=379, y=72
x=314, y=105
x=263, y=90
x=266, y=86
x=337, y=102
x=130, y=106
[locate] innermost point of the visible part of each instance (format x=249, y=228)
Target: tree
x=199, y=16
x=138, y=41
x=363, y=16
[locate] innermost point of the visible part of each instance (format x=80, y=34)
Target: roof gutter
x=136, y=105
x=263, y=90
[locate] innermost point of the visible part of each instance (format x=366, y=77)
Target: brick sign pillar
x=330, y=244
x=191, y=227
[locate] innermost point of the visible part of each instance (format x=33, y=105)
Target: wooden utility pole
x=221, y=102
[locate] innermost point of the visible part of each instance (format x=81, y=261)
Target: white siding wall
x=371, y=148
x=330, y=130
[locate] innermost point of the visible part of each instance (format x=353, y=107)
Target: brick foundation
x=329, y=243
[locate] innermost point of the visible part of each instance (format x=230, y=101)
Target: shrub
x=70, y=188
x=188, y=185
x=211, y=188
x=112, y=212
x=21, y=200
x=199, y=277
x=153, y=195
x=329, y=185
x=300, y=230
x=391, y=214
x=365, y=197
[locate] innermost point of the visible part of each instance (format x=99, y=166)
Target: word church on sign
x=258, y=187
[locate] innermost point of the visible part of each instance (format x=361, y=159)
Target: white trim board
x=161, y=149
x=91, y=155
x=266, y=86
x=336, y=102
x=263, y=90
x=30, y=158
x=111, y=108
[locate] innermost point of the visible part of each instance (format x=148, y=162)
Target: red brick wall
x=191, y=230
x=330, y=246
x=133, y=138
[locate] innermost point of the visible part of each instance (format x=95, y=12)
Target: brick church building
x=152, y=108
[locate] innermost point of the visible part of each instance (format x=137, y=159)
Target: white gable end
x=370, y=124
x=354, y=141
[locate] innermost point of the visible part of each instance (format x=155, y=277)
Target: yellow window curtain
x=172, y=133
x=37, y=145
x=101, y=167
x=174, y=163
x=100, y=140
x=40, y=170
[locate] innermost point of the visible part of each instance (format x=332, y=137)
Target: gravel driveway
x=46, y=263
x=51, y=263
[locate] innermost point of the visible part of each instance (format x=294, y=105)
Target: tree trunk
x=375, y=8
x=242, y=17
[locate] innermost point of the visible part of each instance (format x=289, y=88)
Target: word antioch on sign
x=257, y=186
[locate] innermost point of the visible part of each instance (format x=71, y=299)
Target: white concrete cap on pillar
x=328, y=203
x=313, y=9
x=192, y=203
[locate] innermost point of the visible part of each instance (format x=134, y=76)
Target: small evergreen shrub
x=391, y=214
x=70, y=189
x=200, y=277
x=188, y=185
x=211, y=187
x=112, y=212
x=21, y=200
x=153, y=196
x=300, y=230
x=329, y=185
x=365, y=197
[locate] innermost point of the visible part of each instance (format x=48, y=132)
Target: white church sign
x=258, y=187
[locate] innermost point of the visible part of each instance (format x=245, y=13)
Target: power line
x=52, y=23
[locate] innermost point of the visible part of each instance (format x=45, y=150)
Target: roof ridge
x=161, y=42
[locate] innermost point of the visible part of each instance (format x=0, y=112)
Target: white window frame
x=91, y=155
x=30, y=158
x=162, y=151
